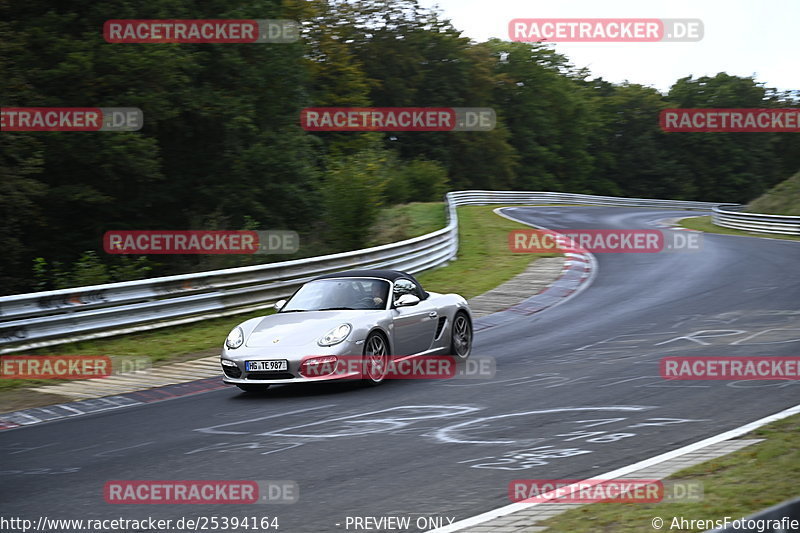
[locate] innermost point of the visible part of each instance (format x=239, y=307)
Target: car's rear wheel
x=252, y=388
x=461, y=336
x=376, y=359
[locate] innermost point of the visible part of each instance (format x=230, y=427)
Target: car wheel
x=461, y=336
x=376, y=359
x=252, y=388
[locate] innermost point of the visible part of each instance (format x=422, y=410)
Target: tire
x=252, y=388
x=461, y=336
x=376, y=359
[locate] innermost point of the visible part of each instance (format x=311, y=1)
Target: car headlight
x=335, y=336
x=235, y=338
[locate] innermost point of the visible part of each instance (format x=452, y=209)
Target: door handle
x=432, y=314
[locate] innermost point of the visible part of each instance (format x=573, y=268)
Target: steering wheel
x=369, y=300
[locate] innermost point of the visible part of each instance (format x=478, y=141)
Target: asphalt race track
x=577, y=393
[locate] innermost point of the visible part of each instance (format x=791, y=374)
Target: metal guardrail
x=731, y=216
x=40, y=319
x=777, y=519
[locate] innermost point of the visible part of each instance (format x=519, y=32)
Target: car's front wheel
x=376, y=359
x=461, y=336
x=252, y=388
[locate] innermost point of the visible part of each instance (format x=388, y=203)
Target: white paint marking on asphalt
x=356, y=425
x=727, y=435
x=451, y=434
x=215, y=431
x=68, y=408
x=110, y=453
x=30, y=449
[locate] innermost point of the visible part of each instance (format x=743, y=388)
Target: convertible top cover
x=389, y=275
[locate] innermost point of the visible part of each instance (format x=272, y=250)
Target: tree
x=733, y=167
x=352, y=195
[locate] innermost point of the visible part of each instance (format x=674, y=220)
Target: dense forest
x=222, y=146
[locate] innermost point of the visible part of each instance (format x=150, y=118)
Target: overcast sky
x=758, y=38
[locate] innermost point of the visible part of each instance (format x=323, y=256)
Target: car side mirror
x=279, y=304
x=406, y=300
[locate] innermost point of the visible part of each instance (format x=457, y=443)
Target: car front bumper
x=234, y=372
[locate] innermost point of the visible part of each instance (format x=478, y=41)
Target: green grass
x=484, y=262
x=735, y=485
x=783, y=199
x=401, y=222
x=705, y=224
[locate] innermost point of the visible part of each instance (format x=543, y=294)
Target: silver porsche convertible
x=369, y=315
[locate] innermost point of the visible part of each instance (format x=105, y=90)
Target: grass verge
x=735, y=485
x=705, y=224
x=407, y=221
x=484, y=262
x=783, y=199
x=484, y=259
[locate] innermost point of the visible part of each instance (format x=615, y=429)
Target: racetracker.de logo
x=605, y=30
x=398, y=367
x=398, y=119
x=630, y=241
x=730, y=368
x=201, y=492
x=71, y=119
x=201, y=242
x=604, y=490
x=756, y=120
x=55, y=366
x=393, y=367
x=201, y=31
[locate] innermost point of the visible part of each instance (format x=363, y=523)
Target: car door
x=415, y=325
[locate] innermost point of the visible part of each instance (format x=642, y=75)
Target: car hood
x=298, y=329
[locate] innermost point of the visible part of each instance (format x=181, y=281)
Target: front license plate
x=267, y=366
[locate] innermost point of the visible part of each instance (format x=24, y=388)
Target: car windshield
x=339, y=293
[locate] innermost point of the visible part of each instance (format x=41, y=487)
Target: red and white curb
x=578, y=271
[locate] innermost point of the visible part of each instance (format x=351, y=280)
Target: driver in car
x=378, y=294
